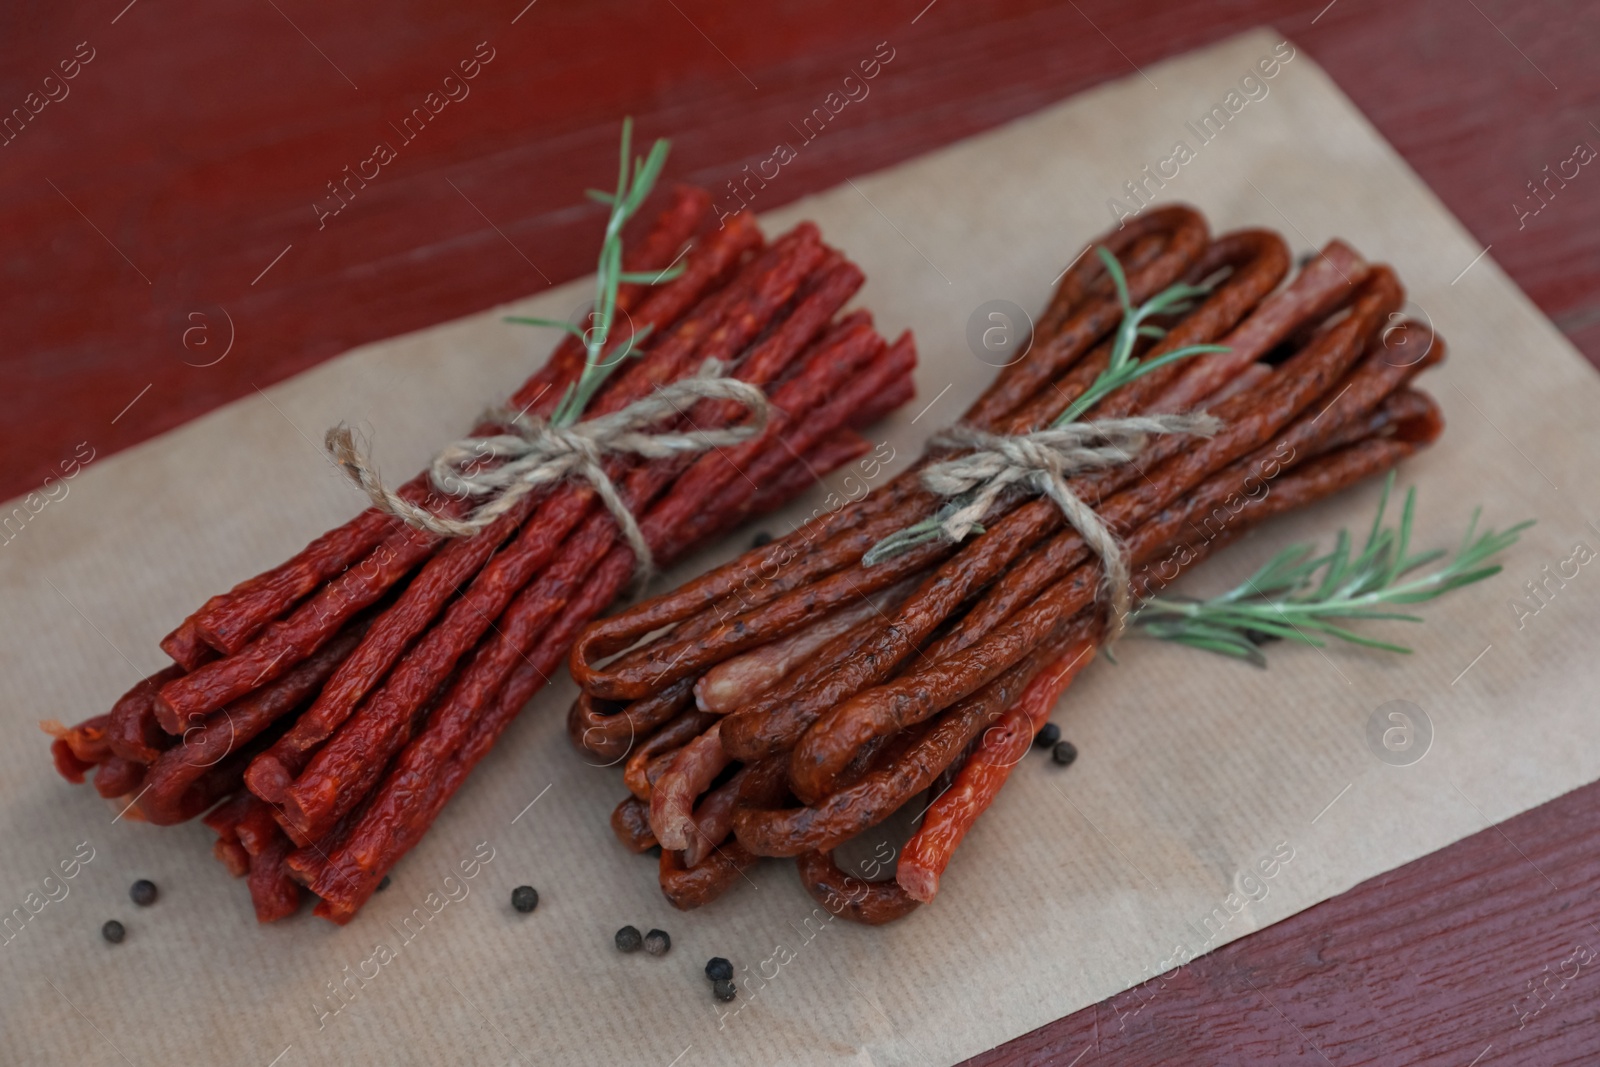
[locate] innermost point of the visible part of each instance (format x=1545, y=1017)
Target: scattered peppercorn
x=1064, y=752
x=383, y=884
x=629, y=939
x=656, y=942
x=719, y=969
x=761, y=538
x=113, y=932
x=724, y=989
x=1048, y=735
x=1260, y=637
x=524, y=898
x=143, y=892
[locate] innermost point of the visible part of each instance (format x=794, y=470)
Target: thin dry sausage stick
x=256, y=828
x=90, y=740
x=224, y=818
x=133, y=732
x=725, y=687
x=612, y=735
x=672, y=795
x=687, y=888
x=232, y=856
x=273, y=893
x=67, y=764
x=118, y=777
x=831, y=453
x=759, y=785
x=1000, y=748
x=219, y=781
x=185, y=645
x=630, y=821
x=1400, y=411
x=674, y=735
x=860, y=901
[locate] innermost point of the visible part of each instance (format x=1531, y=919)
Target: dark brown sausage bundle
x=949, y=682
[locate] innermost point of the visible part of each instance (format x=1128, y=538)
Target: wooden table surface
x=163, y=256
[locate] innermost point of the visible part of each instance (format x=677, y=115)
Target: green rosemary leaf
x=1301, y=597
x=554, y=324
x=649, y=277
x=635, y=179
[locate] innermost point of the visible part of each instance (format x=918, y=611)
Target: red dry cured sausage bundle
x=321, y=714
x=800, y=695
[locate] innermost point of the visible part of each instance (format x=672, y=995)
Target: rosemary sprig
x=632, y=189
x=1121, y=369
x=1304, y=598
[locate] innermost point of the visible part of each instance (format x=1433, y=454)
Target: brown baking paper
x=1210, y=799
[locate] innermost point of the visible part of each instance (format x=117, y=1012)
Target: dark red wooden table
x=163, y=255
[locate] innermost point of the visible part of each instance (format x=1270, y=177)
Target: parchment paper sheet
x=1194, y=771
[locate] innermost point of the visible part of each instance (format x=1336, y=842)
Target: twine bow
x=1042, y=462
x=533, y=453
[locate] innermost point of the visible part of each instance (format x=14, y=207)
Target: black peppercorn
x=143, y=892
x=761, y=538
x=656, y=942
x=1064, y=752
x=524, y=898
x=724, y=989
x=113, y=932
x=383, y=884
x=719, y=969
x=1048, y=735
x=629, y=939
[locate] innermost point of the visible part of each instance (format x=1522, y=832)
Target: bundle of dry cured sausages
x=319, y=715
x=796, y=697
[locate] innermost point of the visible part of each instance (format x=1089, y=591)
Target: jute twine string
x=506, y=467
x=1041, y=462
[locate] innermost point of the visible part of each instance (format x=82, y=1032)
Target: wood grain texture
x=164, y=208
x=1465, y=956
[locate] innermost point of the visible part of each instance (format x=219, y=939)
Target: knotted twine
x=536, y=453
x=1041, y=462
